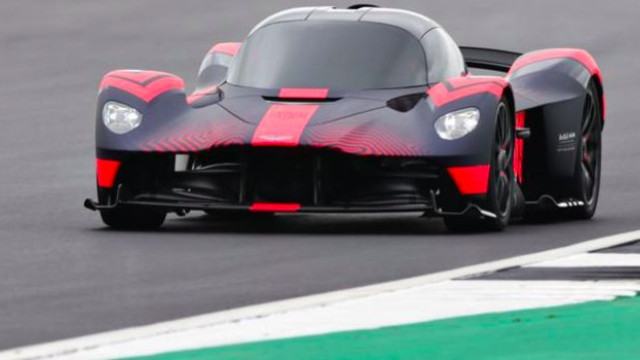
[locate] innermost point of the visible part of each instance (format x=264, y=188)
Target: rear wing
x=488, y=59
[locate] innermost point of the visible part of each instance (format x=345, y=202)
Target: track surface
x=63, y=274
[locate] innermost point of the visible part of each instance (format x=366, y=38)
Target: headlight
x=457, y=124
x=120, y=118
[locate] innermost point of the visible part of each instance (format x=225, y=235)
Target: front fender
x=144, y=91
x=170, y=124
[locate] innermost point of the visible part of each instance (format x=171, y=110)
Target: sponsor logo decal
x=567, y=136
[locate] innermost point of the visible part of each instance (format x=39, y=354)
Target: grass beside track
x=596, y=330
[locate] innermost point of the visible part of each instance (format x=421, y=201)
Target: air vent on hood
x=361, y=6
x=406, y=102
x=299, y=100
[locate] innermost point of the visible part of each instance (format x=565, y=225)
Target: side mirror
x=215, y=65
x=204, y=97
x=213, y=72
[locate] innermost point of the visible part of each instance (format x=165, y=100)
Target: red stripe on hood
x=283, y=125
x=297, y=93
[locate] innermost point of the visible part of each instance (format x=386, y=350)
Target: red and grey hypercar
x=365, y=109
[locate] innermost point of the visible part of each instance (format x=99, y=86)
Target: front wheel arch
x=499, y=197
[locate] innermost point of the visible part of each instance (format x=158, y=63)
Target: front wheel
x=589, y=166
x=499, y=200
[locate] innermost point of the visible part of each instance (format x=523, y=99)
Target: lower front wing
x=281, y=180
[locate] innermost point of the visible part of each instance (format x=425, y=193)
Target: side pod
x=550, y=88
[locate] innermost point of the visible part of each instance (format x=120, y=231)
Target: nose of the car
x=309, y=106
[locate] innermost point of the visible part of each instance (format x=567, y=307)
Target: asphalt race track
x=63, y=274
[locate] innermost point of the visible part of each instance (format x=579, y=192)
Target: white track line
x=92, y=346
x=592, y=260
x=416, y=305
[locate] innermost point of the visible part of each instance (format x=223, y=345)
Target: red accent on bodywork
x=275, y=207
x=518, y=156
x=471, y=180
x=465, y=81
x=578, y=55
x=581, y=56
x=137, y=76
x=230, y=48
x=106, y=171
x=438, y=94
x=146, y=85
x=283, y=124
x=463, y=87
x=294, y=93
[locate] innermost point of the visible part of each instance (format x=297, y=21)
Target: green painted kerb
x=596, y=330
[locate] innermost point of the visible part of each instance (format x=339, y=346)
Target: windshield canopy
x=342, y=55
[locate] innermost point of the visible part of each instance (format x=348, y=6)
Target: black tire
x=589, y=164
x=499, y=198
x=129, y=218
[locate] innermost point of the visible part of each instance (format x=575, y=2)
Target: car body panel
x=381, y=142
